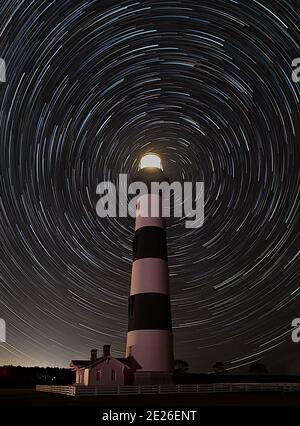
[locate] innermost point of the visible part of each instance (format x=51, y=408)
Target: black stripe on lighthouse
x=150, y=241
x=148, y=311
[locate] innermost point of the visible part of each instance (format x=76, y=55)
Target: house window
x=113, y=375
x=99, y=375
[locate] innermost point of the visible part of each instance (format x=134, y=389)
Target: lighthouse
x=149, y=337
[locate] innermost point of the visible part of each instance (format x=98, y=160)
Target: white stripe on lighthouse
x=149, y=275
x=152, y=349
x=149, y=211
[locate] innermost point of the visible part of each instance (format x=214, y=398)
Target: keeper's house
x=105, y=370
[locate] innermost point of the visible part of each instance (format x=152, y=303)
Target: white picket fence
x=66, y=390
x=78, y=390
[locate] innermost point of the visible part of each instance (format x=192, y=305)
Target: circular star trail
x=92, y=86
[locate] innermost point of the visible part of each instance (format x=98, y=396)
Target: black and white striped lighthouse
x=149, y=338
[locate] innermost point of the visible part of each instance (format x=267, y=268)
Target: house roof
x=129, y=362
x=78, y=363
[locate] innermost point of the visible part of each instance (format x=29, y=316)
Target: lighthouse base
x=153, y=378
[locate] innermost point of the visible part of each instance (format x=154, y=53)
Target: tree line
x=17, y=376
x=181, y=366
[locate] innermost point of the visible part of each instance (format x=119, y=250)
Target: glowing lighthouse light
x=151, y=160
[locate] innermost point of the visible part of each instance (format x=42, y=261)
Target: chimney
x=106, y=351
x=93, y=355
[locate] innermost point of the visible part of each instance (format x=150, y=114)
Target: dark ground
x=31, y=398
x=28, y=407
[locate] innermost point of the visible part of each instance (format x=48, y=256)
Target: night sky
x=93, y=85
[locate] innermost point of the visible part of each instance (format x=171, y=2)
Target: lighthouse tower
x=149, y=338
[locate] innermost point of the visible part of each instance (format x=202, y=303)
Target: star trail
x=93, y=85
